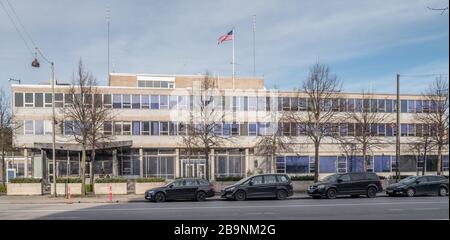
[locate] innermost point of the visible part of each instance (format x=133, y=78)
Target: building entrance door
x=193, y=168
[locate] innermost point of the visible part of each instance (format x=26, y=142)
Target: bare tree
x=204, y=121
x=98, y=116
x=6, y=132
x=421, y=148
x=437, y=116
x=366, y=120
x=77, y=115
x=279, y=137
x=322, y=89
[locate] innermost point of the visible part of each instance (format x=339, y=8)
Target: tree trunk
x=274, y=168
x=316, y=162
x=91, y=167
x=207, y=175
x=364, y=151
x=439, y=162
x=424, y=162
x=83, y=170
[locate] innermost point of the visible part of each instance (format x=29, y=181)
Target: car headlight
x=231, y=189
x=151, y=192
x=321, y=186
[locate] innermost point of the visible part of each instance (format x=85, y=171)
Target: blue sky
x=366, y=43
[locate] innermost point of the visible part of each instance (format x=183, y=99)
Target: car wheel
x=354, y=196
x=410, y=192
x=160, y=197
x=201, y=196
x=239, y=195
x=442, y=192
x=331, y=193
x=371, y=192
x=281, y=194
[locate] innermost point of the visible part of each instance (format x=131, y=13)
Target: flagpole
x=233, y=60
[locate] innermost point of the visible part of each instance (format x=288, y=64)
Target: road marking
x=425, y=209
x=218, y=207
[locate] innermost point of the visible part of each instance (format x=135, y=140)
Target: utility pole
x=397, y=135
x=254, y=45
x=53, y=131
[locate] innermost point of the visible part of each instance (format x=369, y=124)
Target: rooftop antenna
x=108, y=18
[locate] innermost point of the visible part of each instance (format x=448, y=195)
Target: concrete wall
x=75, y=188
x=117, y=188
x=21, y=189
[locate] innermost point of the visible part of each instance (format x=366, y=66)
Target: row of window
x=235, y=103
x=155, y=84
x=167, y=128
x=344, y=164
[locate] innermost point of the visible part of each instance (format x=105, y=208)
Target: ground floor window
x=445, y=163
x=230, y=163
x=159, y=163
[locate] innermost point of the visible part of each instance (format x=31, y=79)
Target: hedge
x=228, y=179
x=302, y=178
x=68, y=180
x=25, y=180
x=2, y=188
x=111, y=180
x=150, y=179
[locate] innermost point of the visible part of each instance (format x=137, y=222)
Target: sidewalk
x=131, y=198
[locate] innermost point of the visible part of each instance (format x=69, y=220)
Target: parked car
x=353, y=184
x=182, y=189
x=277, y=186
x=419, y=185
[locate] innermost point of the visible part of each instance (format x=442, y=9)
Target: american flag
x=227, y=37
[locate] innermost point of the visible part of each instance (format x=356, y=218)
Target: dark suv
x=353, y=184
x=277, y=186
x=189, y=188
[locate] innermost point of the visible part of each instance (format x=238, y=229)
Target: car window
x=422, y=179
x=178, y=183
x=268, y=179
x=202, y=182
x=434, y=179
x=257, y=180
x=357, y=176
x=282, y=178
x=372, y=176
x=190, y=182
x=345, y=178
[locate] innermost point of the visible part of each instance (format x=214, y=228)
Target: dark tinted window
x=178, y=183
x=257, y=180
x=18, y=99
x=345, y=178
x=270, y=179
x=39, y=100
x=283, y=178
x=422, y=179
x=372, y=176
x=203, y=182
x=190, y=182
x=435, y=178
x=357, y=176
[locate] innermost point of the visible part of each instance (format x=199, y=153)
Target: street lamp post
x=397, y=142
x=36, y=64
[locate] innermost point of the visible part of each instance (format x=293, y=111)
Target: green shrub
x=302, y=178
x=2, y=188
x=228, y=179
x=25, y=180
x=89, y=188
x=68, y=180
x=150, y=179
x=111, y=180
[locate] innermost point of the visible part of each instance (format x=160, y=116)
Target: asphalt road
x=341, y=208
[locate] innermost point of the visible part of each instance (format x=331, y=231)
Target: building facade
x=150, y=112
